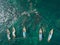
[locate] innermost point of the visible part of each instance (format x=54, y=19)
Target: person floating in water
x=13, y=32
x=24, y=32
x=8, y=34
x=50, y=35
x=40, y=34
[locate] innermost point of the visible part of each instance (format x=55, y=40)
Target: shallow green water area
x=48, y=18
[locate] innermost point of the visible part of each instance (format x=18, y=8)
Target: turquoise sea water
x=48, y=18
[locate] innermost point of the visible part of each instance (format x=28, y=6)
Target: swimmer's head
x=13, y=29
x=24, y=29
x=51, y=31
x=40, y=31
x=8, y=31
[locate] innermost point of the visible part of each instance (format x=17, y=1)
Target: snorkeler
x=50, y=35
x=24, y=32
x=8, y=34
x=40, y=34
x=13, y=32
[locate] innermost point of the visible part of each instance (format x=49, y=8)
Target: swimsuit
x=40, y=36
x=24, y=34
x=8, y=36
